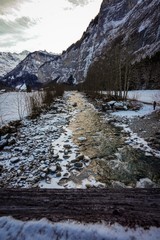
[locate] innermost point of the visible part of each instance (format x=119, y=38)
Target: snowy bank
x=14, y=106
x=17, y=230
x=145, y=96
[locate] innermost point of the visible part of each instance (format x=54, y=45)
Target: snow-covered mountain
x=8, y=61
x=133, y=24
x=27, y=70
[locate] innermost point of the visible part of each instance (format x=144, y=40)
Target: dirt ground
x=146, y=127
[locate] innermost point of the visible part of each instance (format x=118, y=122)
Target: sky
x=51, y=25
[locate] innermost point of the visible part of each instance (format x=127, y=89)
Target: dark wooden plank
x=126, y=206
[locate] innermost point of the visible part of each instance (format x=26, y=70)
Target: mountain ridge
x=131, y=25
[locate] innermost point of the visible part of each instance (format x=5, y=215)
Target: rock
x=52, y=169
x=1, y=168
x=43, y=175
x=86, y=159
x=25, y=152
x=59, y=168
x=117, y=184
x=3, y=143
x=145, y=183
x=78, y=165
x=67, y=146
x=15, y=160
x=7, y=136
x=45, y=170
x=66, y=174
x=11, y=141
x=104, y=107
x=74, y=161
x=74, y=104
x=80, y=157
x=157, y=134
x=1, y=158
x=82, y=139
x=58, y=174
x=23, y=178
x=66, y=156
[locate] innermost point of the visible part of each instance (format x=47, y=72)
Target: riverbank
x=75, y=146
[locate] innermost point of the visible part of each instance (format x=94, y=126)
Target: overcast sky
x=51, y=25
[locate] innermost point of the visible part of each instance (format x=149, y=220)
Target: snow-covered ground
x=14, y=106
x=145, y=96
x=44, y=230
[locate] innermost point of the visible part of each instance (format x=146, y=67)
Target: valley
x=75, y=145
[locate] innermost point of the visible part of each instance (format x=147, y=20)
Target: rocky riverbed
x=74, y=146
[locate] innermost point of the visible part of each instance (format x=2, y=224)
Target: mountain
x=27, y=70
x=124, y=29
x=8, y=61
x=131, y=24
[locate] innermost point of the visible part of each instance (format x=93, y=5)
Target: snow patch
x=144, y=25
x=17, y=230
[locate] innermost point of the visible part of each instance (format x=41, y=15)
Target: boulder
x=145, y=183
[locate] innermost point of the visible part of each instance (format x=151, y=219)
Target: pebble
x=78, y=165
x=14, y=160
x=53, y=169
x=58, y=174
x=82, y=139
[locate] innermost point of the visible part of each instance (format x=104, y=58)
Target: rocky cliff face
x=132, y=24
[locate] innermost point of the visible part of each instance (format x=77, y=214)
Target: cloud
x=13, y=32
x=7, y=6
x=39, y=24
x=14, y=27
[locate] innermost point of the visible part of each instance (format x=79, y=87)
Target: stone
x=23, y=178
x=52, y=169
x=67, y=146
x=7, y=136
x=78, y=165
x=74, y=161
x=1, y=168
x=145, y=183
x=74, y=104
x=82, y=139
x=66, y=174
x=58, y=174
x=66, y=156
x=80, y=157
x=3, y=143
x=43, y=175
x=86, y=159
x=59, y=168
x=11, y=141
x=117, y=184
x=15, y=160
